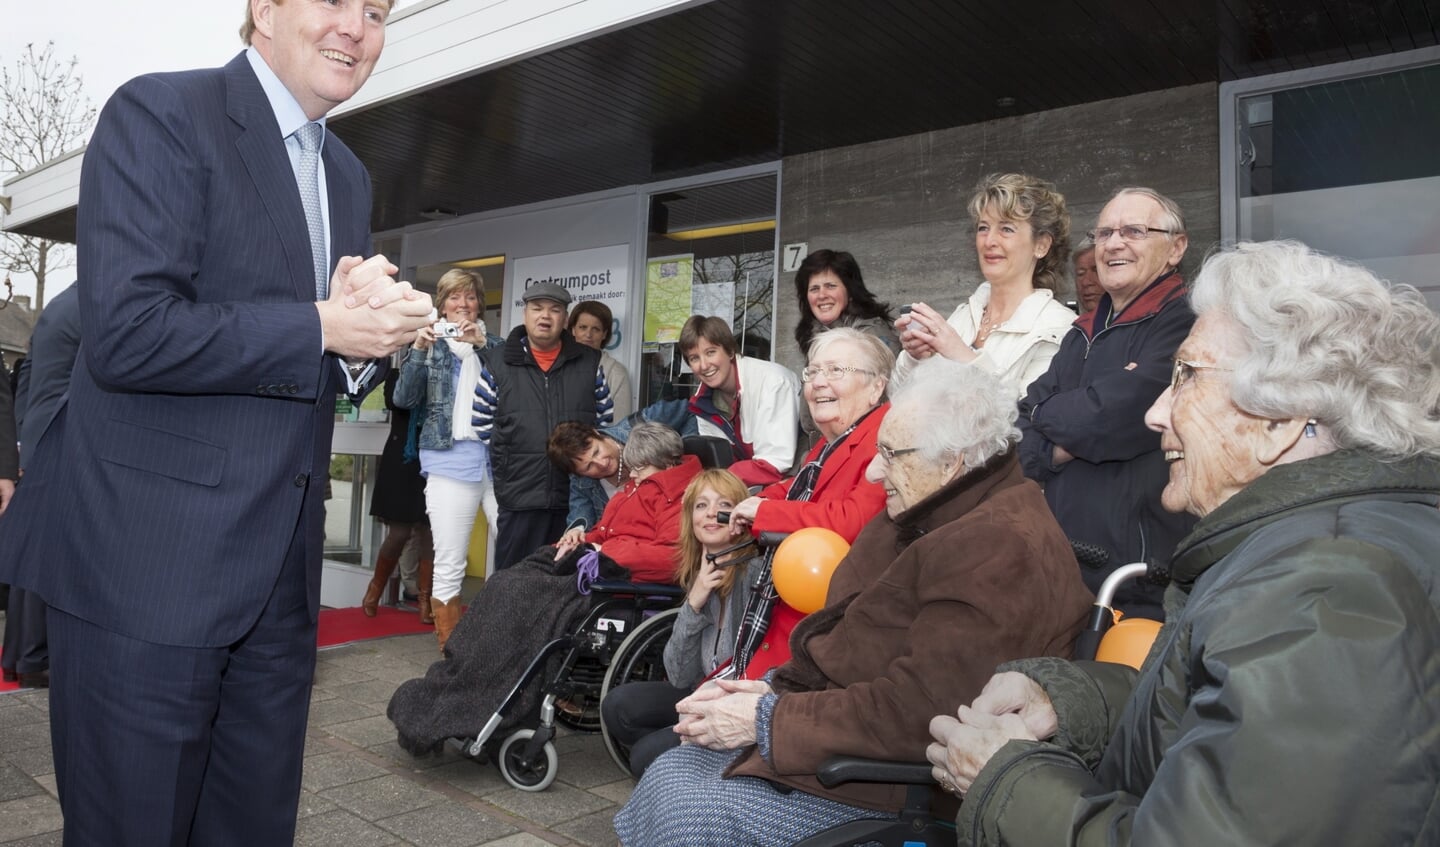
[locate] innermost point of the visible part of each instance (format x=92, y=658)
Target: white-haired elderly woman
x=966, y=564
x=1293, y=696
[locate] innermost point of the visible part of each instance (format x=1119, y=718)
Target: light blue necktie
x=309, y=137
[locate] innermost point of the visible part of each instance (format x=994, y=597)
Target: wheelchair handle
x=730, y=560
x=772, y=539
x=841, y=769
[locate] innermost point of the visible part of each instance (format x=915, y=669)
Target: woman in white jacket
x=1012, y=324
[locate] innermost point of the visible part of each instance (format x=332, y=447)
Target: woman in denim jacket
x=438, y=375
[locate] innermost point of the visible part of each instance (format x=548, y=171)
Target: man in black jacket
x=539, y=378
x=1083, y=421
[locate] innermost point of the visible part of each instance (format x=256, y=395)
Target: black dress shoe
x=35, y=679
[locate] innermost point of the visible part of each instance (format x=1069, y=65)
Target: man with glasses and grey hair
x=1083, y=421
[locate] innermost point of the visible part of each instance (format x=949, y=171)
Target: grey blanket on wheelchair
x=516, y=612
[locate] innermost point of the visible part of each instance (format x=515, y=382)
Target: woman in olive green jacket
x=1293, y=697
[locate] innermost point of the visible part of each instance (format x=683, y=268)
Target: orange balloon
x=803, y=564
x=1128, y=642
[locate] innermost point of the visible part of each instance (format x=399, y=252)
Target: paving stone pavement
x=359, y=787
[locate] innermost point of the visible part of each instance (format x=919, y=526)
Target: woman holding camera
x=437, y=382
x=1012, y=325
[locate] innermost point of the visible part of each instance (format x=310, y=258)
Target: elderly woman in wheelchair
x=845, y=390
x=1293, y=695
x=521, y=609
x=965, y=567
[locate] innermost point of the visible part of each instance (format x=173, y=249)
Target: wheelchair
x=601, y=650
x=621, y=639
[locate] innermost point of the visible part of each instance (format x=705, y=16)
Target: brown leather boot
x=384, y=566
x=447, y=615
x=424, y=580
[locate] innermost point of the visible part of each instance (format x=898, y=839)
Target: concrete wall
x=900, y=205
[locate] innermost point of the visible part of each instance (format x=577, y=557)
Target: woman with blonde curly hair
x=1012, y=324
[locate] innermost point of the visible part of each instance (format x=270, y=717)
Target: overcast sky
x=115, y=41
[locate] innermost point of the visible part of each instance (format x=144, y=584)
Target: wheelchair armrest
x=648, y=589
x=840, y=769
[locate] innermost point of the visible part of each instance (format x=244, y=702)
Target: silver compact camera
x=446, y=329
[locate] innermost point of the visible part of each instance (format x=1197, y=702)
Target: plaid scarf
x=763, y=596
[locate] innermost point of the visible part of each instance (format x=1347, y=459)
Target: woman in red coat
x=845, y=388
x=640, y=527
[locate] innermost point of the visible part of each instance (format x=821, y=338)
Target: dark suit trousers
x=521, y=532
x=161, y=745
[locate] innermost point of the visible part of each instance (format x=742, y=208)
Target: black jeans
x=641, y=716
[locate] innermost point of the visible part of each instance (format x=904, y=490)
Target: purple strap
x=587, y=570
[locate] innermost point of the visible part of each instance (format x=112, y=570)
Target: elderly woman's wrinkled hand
x=721, y=715
x=1016, y=693
x=572, y=538
x=963, y=747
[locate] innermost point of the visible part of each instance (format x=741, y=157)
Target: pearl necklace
x=620, y=472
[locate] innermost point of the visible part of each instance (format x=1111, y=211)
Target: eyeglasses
x=833, y=373
x=1129, y=232
x=1185, y=370
x=891, y=454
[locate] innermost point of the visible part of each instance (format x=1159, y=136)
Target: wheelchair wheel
x=527, y=776
x=640, y=658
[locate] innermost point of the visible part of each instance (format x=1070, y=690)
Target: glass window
x=711, y=251
x=1350, y=166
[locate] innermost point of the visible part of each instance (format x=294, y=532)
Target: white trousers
x=452, y=506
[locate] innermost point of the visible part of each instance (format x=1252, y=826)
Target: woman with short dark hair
x=593, y=324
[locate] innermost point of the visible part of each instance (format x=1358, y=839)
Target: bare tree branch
x=43, y=113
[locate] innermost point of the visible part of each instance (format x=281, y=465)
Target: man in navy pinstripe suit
x=177, y=528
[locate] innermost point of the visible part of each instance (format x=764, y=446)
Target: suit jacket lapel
x=263, y=152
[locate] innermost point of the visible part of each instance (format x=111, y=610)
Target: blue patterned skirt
x=684, y=800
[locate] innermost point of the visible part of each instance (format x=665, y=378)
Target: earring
x=1310, y=428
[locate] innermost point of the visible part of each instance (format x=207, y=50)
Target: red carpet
x=346, y=626
x=7, y=686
